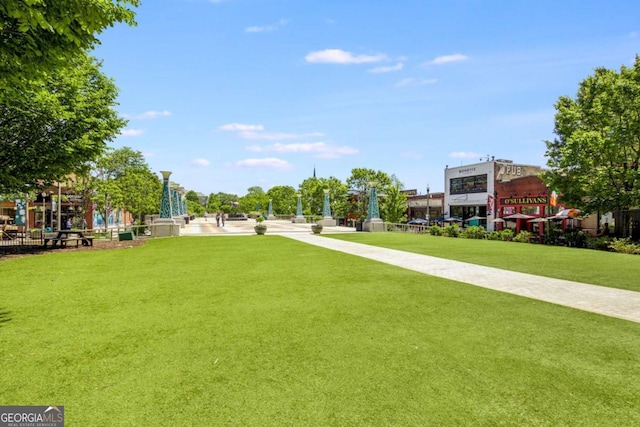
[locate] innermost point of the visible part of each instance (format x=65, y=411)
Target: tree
x=122, y=179
x=394, y=205
x=39, y=36
x=59, y=125
x=595, y=159
x=255, y=200
x=283, y=199
x=141, y=191
x=193, y=203
x=312, y=191
x=225, y=202
x=358, y=184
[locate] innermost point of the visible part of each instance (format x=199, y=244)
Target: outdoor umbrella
x=569, y=213
x=538, y=220
x=475, y=218
x=519, y=216
x=452, y=219
x=497, y=220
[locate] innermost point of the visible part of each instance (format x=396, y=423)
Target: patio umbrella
x=497, y=220
x=475, y=218
x=538, y=220
x=569, y=213
x=519, y=216
x=452, y=219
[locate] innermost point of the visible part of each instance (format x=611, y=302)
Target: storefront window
x=468, y=184
x=531, y=210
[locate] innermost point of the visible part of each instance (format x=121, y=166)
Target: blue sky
x=230, y=94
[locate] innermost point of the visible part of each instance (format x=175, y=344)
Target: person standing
x=218, y=219
x=222, y=214
x=68, y=224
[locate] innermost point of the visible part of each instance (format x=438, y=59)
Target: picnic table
x=63, y=237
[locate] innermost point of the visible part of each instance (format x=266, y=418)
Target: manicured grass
x=602, y=268
x=266, y=331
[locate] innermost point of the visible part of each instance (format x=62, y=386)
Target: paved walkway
x=612, y=302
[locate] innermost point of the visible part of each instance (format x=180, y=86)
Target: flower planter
x=316, y=228
x=260, y=229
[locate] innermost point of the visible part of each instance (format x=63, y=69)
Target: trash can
x=359, y=226
x=125, y=235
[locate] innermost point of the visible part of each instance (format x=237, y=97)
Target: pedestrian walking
x=218, y=220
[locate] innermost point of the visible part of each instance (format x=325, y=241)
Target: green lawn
x=602, y=268
x=266, y=331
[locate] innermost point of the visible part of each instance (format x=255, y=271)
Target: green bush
x=435, y=230
x=523, y=237
x=599, y=243
x=474, y=232
x=506, y=235
x=452, y=230
x=624, y=246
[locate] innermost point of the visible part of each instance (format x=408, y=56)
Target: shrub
x=598, y=243
x=506, y=235
x=523, y=237
x=494, y=235
x=435, y=230
x=452, y=230
x=624, y=246
x=474, y=232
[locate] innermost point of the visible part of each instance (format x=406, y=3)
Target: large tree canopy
x=122, y=179
x=595, y=159
x=61, y=123
x=38, y=36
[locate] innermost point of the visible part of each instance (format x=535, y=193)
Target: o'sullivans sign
x=540, y=200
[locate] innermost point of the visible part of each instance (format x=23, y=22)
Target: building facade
x=471, y=190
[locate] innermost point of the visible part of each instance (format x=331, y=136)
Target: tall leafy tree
x=140, y=191
x=193, y=203
x=283, y=199
x=57, y=126
x=595, y=159
x=359, y=185
x=312, y=191
x=40, y=36
x=116, y=176
x=225, y=202
x=255, y=200
x=393, y=207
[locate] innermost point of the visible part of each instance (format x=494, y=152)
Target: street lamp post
x=44, y=210
x=427, y=215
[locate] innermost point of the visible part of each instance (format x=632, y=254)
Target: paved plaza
x=612, y=302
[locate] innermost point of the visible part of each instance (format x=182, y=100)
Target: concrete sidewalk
x=612, y=302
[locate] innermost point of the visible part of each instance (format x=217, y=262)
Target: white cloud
x=465, y=155
x=270, y=163
x=449, y=58
x=239, y=127
x=266, y=28
x=415, y=82
x=200, y=162
x=275, y=136
x=322, y=149
x=152, y=115
x=399, y=66
x=338, y=56
x=132, y=132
